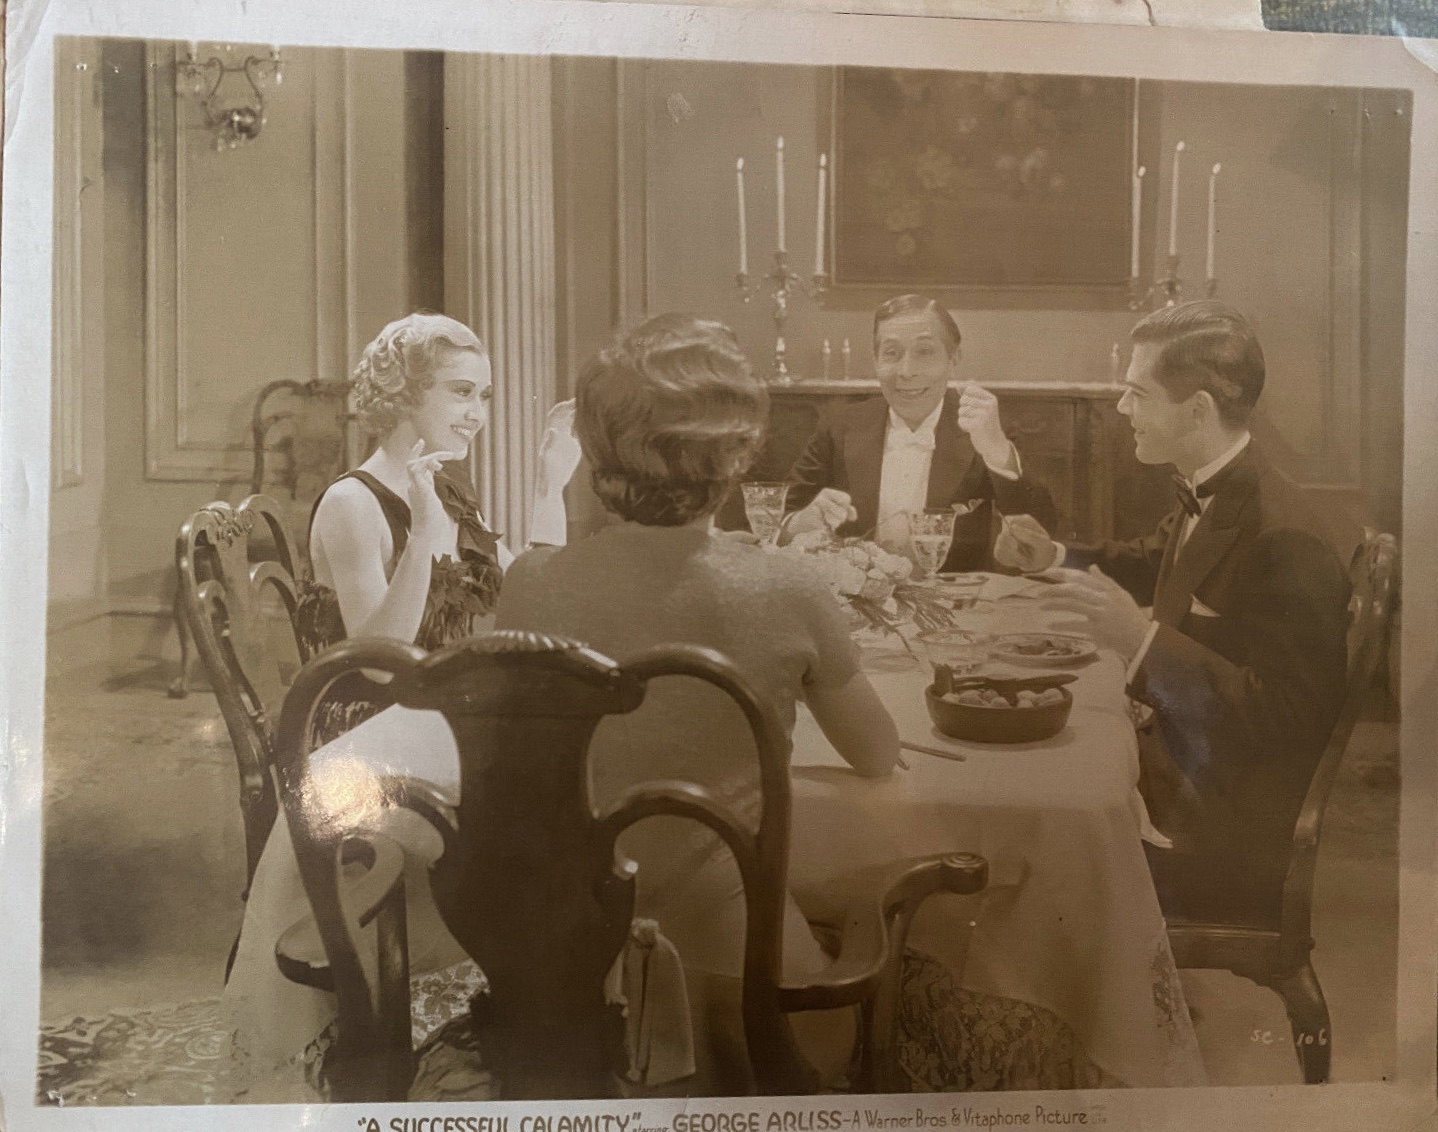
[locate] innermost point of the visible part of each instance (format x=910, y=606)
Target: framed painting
x=947, y=179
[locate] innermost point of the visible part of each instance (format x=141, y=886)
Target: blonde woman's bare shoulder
x=349, y=512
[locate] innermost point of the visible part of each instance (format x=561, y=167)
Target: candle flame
x=1180, y=146
x=823, y=160
x=1142, y=169
x=779, y=144
x=739, y=165
x=1216, y=168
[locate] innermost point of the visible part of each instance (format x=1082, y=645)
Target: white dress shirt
x=904, y=476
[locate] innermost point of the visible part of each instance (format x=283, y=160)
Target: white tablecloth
x=1070, y=921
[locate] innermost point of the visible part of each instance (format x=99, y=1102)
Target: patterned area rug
x=950, y=1040
x=178, y=1054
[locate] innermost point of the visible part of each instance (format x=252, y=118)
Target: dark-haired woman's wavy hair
x=670, y=417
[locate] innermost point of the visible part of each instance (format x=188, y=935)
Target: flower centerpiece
x=872, y=584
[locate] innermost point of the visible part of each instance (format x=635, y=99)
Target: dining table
x=1069, y=921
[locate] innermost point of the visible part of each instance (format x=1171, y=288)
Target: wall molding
x=633, y=269
x=172, y=452
x=76, y=74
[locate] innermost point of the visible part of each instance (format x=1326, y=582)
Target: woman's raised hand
x=429, y=521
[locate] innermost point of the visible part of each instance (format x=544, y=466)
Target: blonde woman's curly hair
x=670, y=417
x=398, y=366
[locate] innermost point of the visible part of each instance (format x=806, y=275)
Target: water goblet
x=931, y=532
x=764, y=506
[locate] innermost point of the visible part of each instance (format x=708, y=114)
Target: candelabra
x=1166, y=291
x=232, y=125
x=782, y=280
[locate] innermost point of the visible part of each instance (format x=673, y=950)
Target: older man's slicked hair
x=1206, y=346
x=669, y=417
x=918, y=304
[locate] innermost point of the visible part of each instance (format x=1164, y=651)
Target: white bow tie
x=902, y=439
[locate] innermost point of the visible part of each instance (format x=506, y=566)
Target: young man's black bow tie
x=1189, y=499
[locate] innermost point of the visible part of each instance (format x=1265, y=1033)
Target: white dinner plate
x=1043, y=650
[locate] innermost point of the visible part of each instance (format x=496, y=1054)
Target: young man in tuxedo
x=920, y=445
x=1243, y=660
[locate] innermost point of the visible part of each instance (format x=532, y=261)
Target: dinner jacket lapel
x=1213, y=537
x=864, y=460
x=953, y=456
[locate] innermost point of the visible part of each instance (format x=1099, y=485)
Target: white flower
x=848, y=580
x=810, y=540
x=877, y=590
x=896, y=566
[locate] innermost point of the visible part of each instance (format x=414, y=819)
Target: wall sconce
x=237, y=123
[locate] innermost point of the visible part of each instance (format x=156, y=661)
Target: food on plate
x=993, y=698
x=1054, y=647
x=1044, y=650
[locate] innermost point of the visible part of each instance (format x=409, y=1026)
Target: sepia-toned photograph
x=581, y=575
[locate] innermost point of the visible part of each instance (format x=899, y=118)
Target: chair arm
x=300, y=952
x=868, y=948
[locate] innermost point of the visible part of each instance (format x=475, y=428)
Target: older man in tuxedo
x=921, y=445
x=1243, y=660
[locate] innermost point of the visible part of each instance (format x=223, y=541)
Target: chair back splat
x=232, y=563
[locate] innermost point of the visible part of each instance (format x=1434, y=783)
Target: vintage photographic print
x=584, y=568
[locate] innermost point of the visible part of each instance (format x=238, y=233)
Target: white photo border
x=584, y=27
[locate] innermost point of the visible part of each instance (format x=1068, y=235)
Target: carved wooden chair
x=229, y=560
x=301, y=439
x=529, y=883
x=1281, y=959
x=300, y=434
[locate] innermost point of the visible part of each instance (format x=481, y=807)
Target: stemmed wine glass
x=931, y=533
x=764, y=506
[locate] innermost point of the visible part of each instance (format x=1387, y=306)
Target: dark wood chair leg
x=179, y=686
x=1308, y=1014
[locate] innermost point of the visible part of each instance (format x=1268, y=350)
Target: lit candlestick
x=819, y=221
x=743, y=222
x=1173, y=203
x=779, y=167
x=1137, y=218
x=1212, y=228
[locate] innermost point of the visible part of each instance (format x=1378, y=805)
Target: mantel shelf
x=817, y=387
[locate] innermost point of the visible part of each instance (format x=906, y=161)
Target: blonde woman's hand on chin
x=429, y=522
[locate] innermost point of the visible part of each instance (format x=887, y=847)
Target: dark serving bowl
x=998, y=724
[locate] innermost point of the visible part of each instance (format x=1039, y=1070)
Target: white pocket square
x=1198, y=609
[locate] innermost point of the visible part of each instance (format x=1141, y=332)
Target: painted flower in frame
x=935, y=169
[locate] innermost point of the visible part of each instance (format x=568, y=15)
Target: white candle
x=194, y=49
x=1212, y=197
x=1173, y=203
x=1134, y=163
x=743, y=222
x=819, y=214
x=1137, y=219
x=779, y=167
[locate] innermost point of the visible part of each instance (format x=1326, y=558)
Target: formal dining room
x=593, y=577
